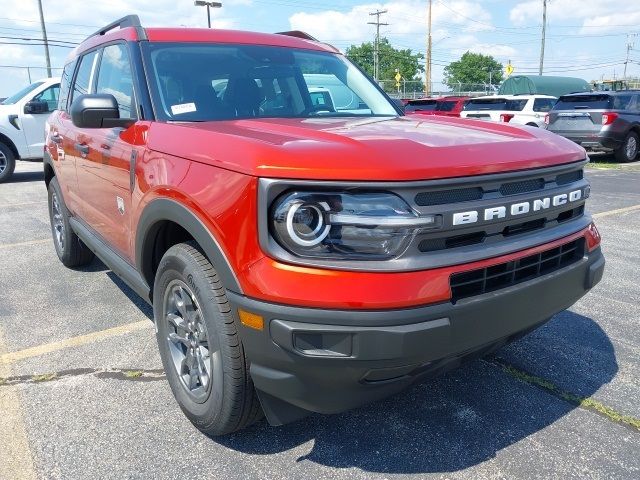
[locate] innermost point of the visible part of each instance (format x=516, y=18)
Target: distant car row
x=598, y=121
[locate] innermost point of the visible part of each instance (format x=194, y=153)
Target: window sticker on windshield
x=183, y=108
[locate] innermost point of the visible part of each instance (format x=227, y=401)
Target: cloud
x=405, y=17
x=606, y=15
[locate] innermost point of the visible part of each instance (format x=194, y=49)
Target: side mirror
x=99, y=110
x=36, y=106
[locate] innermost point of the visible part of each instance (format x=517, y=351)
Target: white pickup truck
x=515, y=109
x=22, y=121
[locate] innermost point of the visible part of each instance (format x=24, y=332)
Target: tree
x=407, y=62
x=473, y=68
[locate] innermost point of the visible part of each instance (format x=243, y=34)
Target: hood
x=413, y=147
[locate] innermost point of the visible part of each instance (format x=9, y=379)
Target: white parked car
x=22, y=121
x=515, y=109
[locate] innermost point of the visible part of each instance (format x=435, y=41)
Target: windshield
x=583, y=102
x=421, y=105
x=486, y=104
x=202, y=82
x=17, y=96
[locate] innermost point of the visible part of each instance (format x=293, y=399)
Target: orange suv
x=304, y=255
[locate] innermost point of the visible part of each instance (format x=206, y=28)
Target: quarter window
x=543, y=104
x=114, y=77
x=65, y=84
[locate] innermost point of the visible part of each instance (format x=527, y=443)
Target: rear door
x=107, y=155
x=579, y=115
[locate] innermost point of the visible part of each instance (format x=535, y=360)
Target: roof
x=604, y=93
x=203, y=35
x=543, y=84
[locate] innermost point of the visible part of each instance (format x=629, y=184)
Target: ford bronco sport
x=302, y=257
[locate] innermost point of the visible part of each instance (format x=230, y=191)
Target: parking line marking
x=17, y=459
x=616, y=211
x=586, y=403
x=39, y=350
x=21, y=244
x=24, y=204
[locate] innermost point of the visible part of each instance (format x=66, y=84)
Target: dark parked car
x=600, y=121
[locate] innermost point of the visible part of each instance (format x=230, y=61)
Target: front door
x=106, y=157
x=34, y=123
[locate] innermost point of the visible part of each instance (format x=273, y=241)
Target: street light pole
x=209, y=5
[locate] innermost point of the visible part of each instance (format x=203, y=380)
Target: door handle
x=82, y=148
x=56, y=138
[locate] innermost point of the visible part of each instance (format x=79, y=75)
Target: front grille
x=496, y=277
x=440, y=197
x=515, y=188
x=565, y=178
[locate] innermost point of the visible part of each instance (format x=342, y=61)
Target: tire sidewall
x=11, y=163
x=631, y=135
x=54, y=187
x=178, y=265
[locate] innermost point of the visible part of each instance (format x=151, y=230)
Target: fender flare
x=164, y=209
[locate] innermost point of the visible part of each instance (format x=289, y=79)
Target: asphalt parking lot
x=83, y=395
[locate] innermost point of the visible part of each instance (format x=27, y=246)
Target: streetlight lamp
x=209, y=5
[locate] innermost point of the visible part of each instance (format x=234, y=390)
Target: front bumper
x=314, y=360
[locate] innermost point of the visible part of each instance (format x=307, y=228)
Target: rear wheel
x=69, y=248
x=7, y=162
x=201, y=350
x=629, y=150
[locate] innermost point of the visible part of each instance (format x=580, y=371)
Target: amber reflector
x=251, y=320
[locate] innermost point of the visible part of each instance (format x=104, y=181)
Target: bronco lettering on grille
x=521, y=208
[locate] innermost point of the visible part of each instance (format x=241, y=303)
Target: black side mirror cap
x=98, y=110
x=36, y=106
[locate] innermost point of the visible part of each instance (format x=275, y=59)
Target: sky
x=585, y=38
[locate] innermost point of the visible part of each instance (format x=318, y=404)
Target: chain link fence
x=416, y=89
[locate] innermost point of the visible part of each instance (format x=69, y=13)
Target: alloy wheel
x=57, y=221
x=631, y=148
x=3, y=162
x=192, y=355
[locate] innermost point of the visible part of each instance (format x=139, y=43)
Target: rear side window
x=486, y=104
x=84, y=75
x=65, y=84
x=583, y=102
x=543, y=104
x=114, y=77
x=622, y=102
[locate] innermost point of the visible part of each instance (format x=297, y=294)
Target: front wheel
x=629, y=150
x=7, y=163
x=201, y=350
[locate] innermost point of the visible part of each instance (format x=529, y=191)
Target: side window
x=84, y=75
x=50, y=95
x=543, y=104
x=65, y=84
x=114, y=77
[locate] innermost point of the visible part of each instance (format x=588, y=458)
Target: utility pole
x=376, y=50
x=44, y=37
x=427, y=75
x=630, y=38
x=544, y=31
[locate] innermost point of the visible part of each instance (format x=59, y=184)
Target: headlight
x=344, y=225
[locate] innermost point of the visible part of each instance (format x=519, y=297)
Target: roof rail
x=298, y=34
x=128, y=21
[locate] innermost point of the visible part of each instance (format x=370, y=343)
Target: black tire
x=7, y=163
x=69, y=248
x=221, y=399
x=629, y=149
